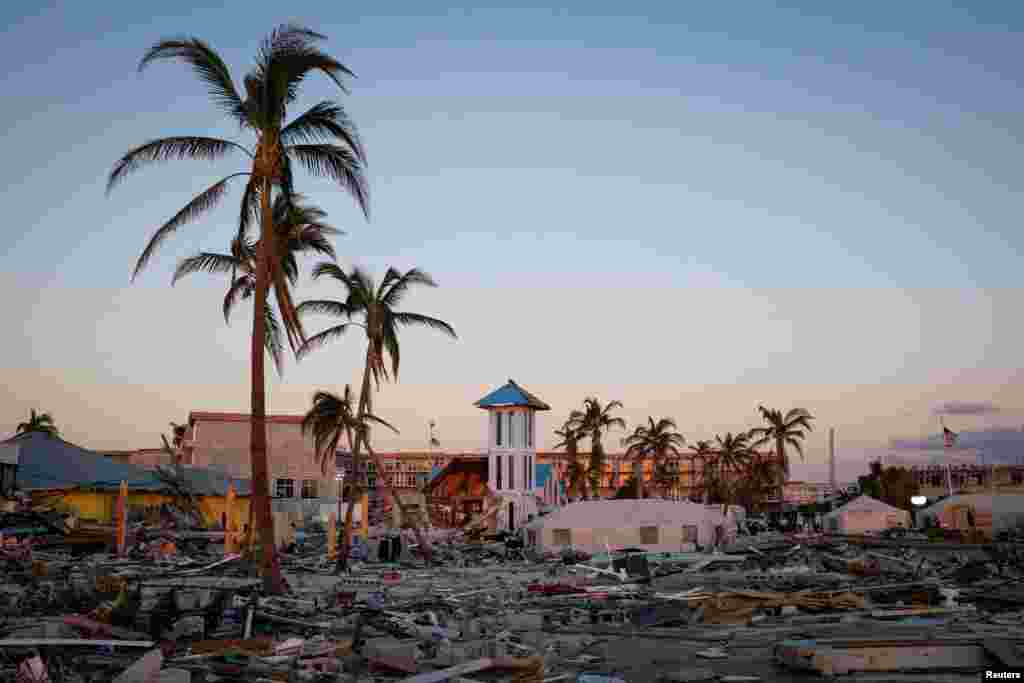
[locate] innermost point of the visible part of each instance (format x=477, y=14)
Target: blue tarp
x=46, y=462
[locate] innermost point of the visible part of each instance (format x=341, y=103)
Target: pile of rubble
x=176, y=608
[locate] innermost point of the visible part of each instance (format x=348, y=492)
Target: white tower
x=512, y=448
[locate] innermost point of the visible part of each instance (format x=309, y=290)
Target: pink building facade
x=220, y=441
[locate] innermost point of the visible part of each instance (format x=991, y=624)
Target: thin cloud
x=967, y=408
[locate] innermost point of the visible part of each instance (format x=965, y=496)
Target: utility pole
x=832, y=458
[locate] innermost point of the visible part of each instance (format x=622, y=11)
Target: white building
x=654, y=525
x=512, y=451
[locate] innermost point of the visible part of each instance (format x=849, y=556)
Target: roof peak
x=511, y=394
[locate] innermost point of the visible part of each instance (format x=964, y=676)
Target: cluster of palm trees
x=733, y=468
x=275, y=226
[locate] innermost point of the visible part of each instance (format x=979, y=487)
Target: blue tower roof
x=511, y=395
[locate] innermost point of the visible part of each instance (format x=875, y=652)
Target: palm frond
x=167, y=149
x=324, y=122
x=390, y=341
x=376, y=420
x=203, y=202
x=321, y=338
x=396, y=286
x=337, y=163
x=273, y=343
x=204, y=262
x=249, y=210
x=332, y=270
x=236, y=291
x=412, y=319
x=207, y=65
x=323, y=307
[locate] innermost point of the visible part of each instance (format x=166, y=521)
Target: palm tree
x=704, y=451
x=178, y=432
x=330, y=418
x=174, y=480
x=376, y=306
x=759, y=480
x=570, y=435
x=783, y=431
x=657, y=440
x=732, y=458
x=323, y=140
x=300, y=229
x=39, y=422
x=597, y=420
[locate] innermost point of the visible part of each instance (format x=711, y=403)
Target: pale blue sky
x=739, y=167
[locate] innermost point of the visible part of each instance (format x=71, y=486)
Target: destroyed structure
x=106, y=578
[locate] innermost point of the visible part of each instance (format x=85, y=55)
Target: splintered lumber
x=840, y=657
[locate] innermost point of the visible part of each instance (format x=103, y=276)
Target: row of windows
x=516, y=427
x=506, y=464
x=285, y=488
x=649, y=535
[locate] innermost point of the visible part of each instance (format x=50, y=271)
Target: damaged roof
x=47, y=463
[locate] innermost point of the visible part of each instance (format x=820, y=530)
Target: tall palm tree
x=323, y=140
x=330, y=418
x=570, y=435
x=299, y=229
x=701, y=450
x=39, y=422
x=380, y=321
x=597, y=420
x=732, y=458
x=657, y=441
x=783, y=431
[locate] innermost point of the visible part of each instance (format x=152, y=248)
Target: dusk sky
x=691, y=207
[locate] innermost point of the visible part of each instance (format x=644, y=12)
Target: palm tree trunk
x=366, y=406
x=350, y=502
x=258, y=437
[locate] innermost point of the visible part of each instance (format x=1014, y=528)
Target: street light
x=917, y=501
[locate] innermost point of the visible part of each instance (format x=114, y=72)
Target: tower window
x=498, y=465
x=497, y=439
x=529, y=429
x=511, y=472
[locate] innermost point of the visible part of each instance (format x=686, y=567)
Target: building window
x=689, y=534
x=497, y=436
x=309, y=488
x=648, y=535
x=285, y=488
x=510, y=444
x=498, y=465
x=562, y=536
x=529, y=429
x=511, y=472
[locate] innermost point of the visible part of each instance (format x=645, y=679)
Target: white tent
x=654, y=525
x=865, y=513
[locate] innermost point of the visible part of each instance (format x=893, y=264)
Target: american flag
x=948, y=437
